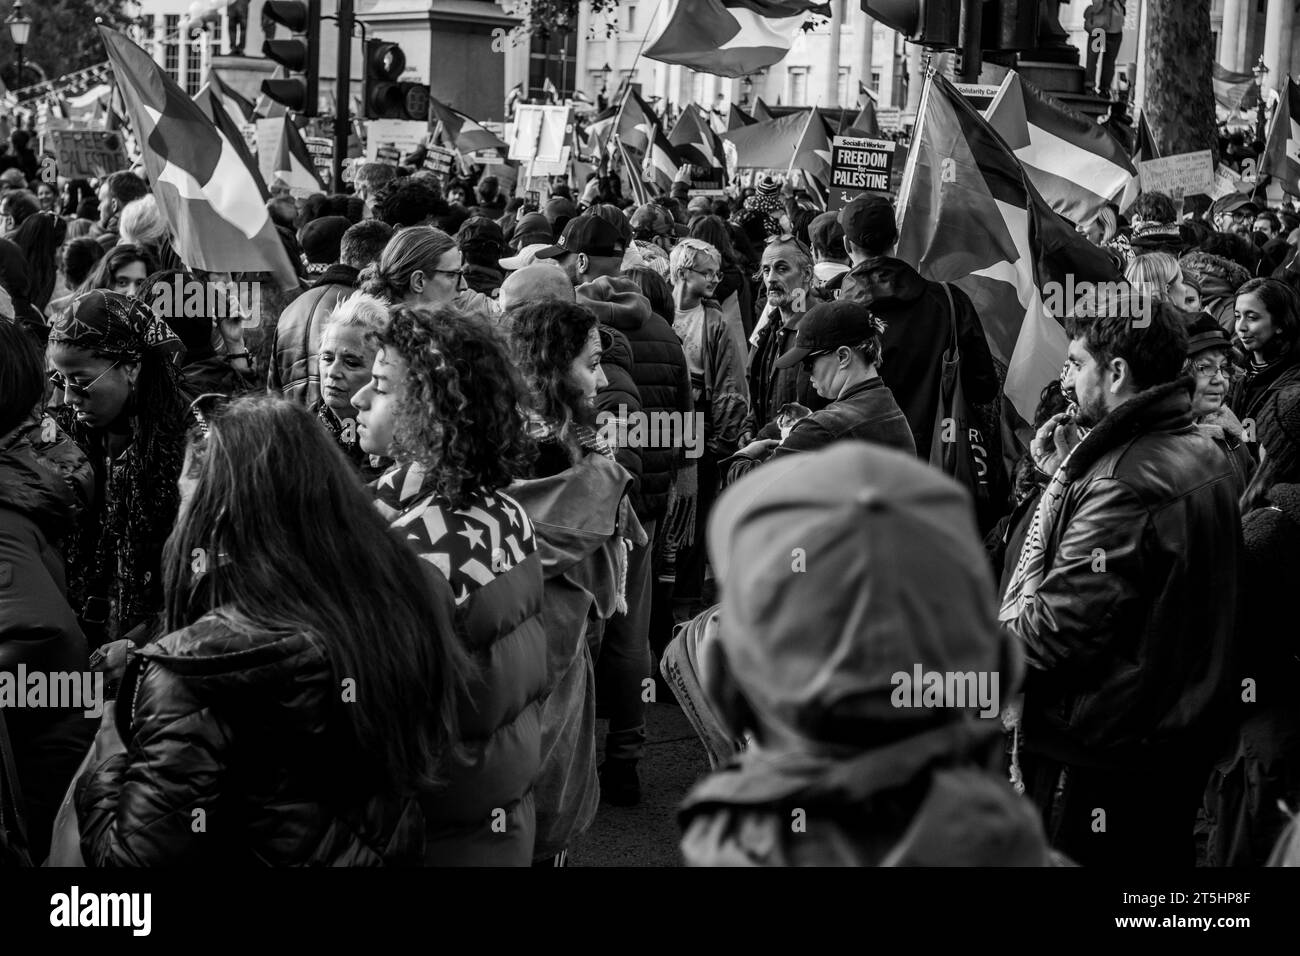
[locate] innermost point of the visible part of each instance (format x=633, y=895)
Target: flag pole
x=909, y=169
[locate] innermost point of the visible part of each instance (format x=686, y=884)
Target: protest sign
x=1227, y=182
x=889, y=118
x=321, y=149
x=87, y=153
x=705, y=180
x=402, y=136
x=979, y=95
x=439, y=159
x=1182, y=174
x=540, y=133
x=859, y=165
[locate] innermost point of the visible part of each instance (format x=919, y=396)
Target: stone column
x=831, y=94
x=863, y=32
x=1277, y=41
x=1232, y=30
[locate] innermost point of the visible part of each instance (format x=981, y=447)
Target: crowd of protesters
x=362, y=572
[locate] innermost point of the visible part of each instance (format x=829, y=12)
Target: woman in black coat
x=289, y=717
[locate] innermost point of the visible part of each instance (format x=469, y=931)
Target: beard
x=1091, y=412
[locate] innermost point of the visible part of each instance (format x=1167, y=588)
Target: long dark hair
x=39, y=238
x=123, y=254
x=547, y=336
x=459, y=415
x=266, y=473
x=1283, y=307
x=22, y=379
x=79, y=258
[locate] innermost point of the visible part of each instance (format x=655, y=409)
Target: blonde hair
x=360, y=311
x=1109, y=223
x=1153, y=273
x=412, y=249
x=688, y=252
x=142, y=222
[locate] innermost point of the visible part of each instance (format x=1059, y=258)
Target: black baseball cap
x=590, y=235
x=480, y=229
x=868, y=219
x=828, y=326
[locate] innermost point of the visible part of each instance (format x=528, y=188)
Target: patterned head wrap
x=112, y=324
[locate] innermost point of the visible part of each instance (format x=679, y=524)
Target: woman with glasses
x=422, y=267
x=734, y=292
x=118, y=395
x=443, y=400
x=715, y=358
x=1210, y=363
x=303, y=701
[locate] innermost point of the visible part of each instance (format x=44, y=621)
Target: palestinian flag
x=731, y=37
x=1281, y=157
x=209, y=198
x=462, y=133
x=293, y=163
x=695, y=140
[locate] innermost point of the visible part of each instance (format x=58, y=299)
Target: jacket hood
x=226, y=664
x=615, y=302
x=885, y=282
x=574, y=512
x=1216, y=275
x=615, y=349
x=31, y=488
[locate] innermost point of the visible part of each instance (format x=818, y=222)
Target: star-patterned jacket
x=487, y=551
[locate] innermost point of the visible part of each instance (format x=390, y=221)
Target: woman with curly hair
x=119, y=397
x=269, y=612
x=576, y=496
x=443, y=402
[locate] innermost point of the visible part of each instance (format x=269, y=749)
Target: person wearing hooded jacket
x=575, y=495
x=1218, y=279
x=234, y=749
x=843, y=766
x=447, y=497
x=918, y=320
x=38, y=629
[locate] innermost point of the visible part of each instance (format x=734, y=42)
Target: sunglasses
x=58, y=380
x=786, y=237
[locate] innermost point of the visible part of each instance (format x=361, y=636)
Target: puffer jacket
x=580, y=530
x=619, y=398
x=1218, y=279
x=1132, y=659
x=38, y=629
x=245, y=727
x=659, y=371
x=918, y=327
x=295, y=344
x=488, y=552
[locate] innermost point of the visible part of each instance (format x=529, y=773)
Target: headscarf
x=112, y=324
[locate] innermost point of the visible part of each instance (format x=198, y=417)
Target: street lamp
x=1260, y=71
x=20, y=28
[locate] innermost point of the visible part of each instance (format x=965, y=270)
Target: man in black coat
x=917, y=317
x=1125, y=599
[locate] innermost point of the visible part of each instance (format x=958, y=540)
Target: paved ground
x=647, y=835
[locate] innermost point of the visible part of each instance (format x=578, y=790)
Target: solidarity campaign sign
x=1183, y=174
x=859, y=165
x=87, y=153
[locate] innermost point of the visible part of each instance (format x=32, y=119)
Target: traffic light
x=299, y=55
x=383, y=95
x=932, y=23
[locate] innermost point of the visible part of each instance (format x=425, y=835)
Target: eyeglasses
x=72, y=388
x=1208, y=370
x=786, y=237
x=710, y=274
x=458, y=273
